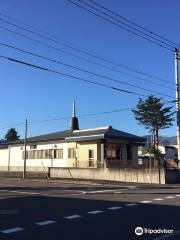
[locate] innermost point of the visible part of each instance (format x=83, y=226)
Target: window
x=114, y=152
x=44, y=154
x=33, y=146
x=71, y=153
x=58, y=153
x=91, y=154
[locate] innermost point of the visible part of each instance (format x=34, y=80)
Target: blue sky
x=38, y=95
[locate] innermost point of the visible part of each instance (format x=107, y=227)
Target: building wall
x=4, y=158
x=83, y=153
x=13, y=155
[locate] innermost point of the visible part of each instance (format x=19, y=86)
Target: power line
x=82, y=70
x=82, y=115
x=81, y=51
x=122, y=27
x=129, y=26
x=133, y=23
x=79, y=116
x=71, y=76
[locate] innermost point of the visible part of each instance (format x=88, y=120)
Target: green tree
x=12, y=135
x=152, y=113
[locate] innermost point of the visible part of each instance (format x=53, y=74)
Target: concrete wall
x=124, y=175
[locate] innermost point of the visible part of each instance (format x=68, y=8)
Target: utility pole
x=177, y=102
x=25, y=152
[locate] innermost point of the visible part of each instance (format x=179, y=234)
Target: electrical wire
x=122, y=27
x=82, y=70
x=71, y=76
x=129, y=26
x=79, y=50
x=133, y=23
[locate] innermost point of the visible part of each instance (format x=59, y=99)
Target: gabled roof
x=82, y=135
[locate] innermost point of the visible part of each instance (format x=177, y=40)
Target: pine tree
x=154, y=116
x=11, y=135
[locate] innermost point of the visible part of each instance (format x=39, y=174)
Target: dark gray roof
x=82, y=135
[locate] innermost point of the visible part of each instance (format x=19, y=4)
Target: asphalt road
x=64, y=209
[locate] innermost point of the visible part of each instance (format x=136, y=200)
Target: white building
x=72, y=148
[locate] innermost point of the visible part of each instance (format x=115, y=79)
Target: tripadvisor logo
x=139, y=231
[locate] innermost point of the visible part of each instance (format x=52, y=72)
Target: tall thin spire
x=74, y=109
x=74, y=125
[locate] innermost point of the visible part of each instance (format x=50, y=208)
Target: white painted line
x=117, y=192
x=158, y=199
x=114, y=208
x=72, y=217
x=95, y=212
x=102, y=191
x=12, y=230
x=178, y=195
x=31, y=193
x=45, y=222
x=43, y=194
x=145, y=201
x=169, y=197
x=131, y=204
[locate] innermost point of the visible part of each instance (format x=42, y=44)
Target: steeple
x=74, y=109
x=74, y=125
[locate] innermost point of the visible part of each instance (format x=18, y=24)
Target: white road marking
x=14, y=191
x=145, y=201
x=11, y=230
x=95, y=212
x=102, y=191
x=72, y=217
x=158, y=199
x=45, y=194
x=131, y=204
x=169, y=197
x=114, y=208
x=117, y=192
x=177, y=195
x=42, y=223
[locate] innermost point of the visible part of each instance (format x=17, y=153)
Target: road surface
x=68, y=209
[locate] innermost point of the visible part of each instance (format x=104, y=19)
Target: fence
x=111, y=174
